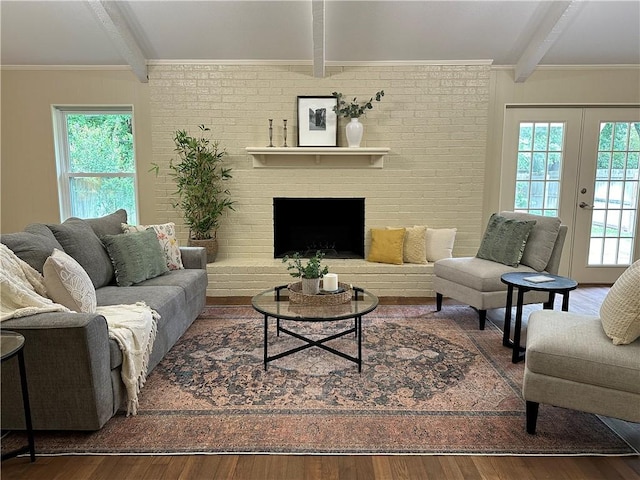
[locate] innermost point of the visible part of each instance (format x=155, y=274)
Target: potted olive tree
x=200, y=174
x=310, y=273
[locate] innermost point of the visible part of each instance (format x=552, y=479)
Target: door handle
x=585, y=205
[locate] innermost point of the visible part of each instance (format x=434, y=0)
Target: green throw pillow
x=504, y=240
x=135, y=256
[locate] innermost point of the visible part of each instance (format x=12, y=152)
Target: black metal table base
x=518, y=351
x=30, y=447
x=320, y=343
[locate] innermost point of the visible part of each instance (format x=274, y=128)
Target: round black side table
x=524, y=282
x=11, y=344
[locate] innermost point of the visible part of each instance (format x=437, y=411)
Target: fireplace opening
x=334, y=226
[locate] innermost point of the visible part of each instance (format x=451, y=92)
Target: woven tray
x=296, y=295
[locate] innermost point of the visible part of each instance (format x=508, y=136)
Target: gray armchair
x=476, y=281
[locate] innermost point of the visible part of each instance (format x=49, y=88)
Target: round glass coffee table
x=524, y=282
x=275, y=303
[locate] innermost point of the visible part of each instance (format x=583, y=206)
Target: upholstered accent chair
x=587, y=363
x=476, y=281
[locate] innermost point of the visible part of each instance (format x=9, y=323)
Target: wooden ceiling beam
x=113, y=22
x=317, y=10
x=554, y=23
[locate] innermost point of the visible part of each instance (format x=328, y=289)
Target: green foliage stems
x=313, y=268
x=354, y=109
x=199, y=175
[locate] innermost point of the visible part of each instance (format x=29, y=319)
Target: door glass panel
x=615, y=200
x=540, y=154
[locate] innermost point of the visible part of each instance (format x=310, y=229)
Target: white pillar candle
x=330, y=282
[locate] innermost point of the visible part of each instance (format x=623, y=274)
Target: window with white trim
x=95, y=159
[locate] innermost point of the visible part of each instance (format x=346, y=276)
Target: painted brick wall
x=433, y=118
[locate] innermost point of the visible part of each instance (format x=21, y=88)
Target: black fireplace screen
x=333, y=225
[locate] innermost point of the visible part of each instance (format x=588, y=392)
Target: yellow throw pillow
x=386, y=245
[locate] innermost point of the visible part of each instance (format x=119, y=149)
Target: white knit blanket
x=133, y=327
x=22, y=290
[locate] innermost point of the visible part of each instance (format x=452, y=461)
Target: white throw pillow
x=620, y=310
x=68, y=284
x=439, y=243
x=166, y=234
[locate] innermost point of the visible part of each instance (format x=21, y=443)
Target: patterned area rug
x=431, y=382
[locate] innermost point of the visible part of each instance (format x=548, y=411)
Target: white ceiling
x=528, y=33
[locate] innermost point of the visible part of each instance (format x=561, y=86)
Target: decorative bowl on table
x=342, y=295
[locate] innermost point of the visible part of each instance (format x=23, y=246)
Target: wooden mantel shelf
x=314, y=157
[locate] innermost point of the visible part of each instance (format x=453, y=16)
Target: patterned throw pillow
x=504, y=240
x=386, y=245
x=166, y=233
x=68, y=284
x=620, y=310
x=414, y=248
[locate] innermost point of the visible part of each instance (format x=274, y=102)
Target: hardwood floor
x=311, y=467
x=338, y=467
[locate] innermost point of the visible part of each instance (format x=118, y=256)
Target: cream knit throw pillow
x=620, y=311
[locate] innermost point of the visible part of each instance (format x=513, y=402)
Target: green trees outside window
x=96, y=162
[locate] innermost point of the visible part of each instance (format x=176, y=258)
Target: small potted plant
x=310, y=274
x=354, y=110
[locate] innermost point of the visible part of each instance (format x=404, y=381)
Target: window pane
x=624, y=251
x=526, y=136
x=615, y=194
x=551, y=196
x=620, y=138
x=98, y=196
x=524, y=163
x=597, y=223
x=632, y=165
x=613, y=222
x=628, y=223
x=522, y=195
x=606, y=134
x=541, y=136
x=610, y=251
x=595, y=251
x=556, y=137
x=100, y=143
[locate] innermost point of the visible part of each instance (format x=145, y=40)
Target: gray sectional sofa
x=73, y=368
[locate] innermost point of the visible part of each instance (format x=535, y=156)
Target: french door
x=580, y=164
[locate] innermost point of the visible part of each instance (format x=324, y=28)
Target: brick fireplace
x=433, y=119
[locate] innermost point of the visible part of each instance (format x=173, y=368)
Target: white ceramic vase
x=310, y=286
x=354, y=130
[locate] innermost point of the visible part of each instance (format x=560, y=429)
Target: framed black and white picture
x=317, y=122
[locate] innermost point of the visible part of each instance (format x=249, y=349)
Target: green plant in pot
x=200, y=177
x=354, y=110
x=309, y=273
